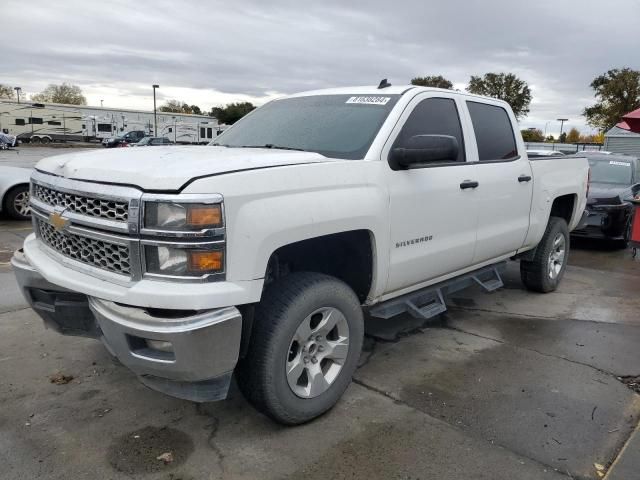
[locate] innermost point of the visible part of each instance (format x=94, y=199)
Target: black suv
x=134, y=136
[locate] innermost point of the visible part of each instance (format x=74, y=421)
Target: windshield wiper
x=271, y=145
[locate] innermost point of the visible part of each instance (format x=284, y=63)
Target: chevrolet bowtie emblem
x=58, y=221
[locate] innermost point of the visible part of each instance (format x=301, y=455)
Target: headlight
x=183, y=262
x=182, y=216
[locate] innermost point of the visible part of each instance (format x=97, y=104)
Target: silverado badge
x=58, y=221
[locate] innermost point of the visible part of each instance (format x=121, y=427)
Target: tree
x=7, y=92
x=65, y=93
x=550, y=138
x=232, y=112
x=175, y=106
x=532, y=135
x=617, y=92
x=505, y=86
x=563, y=137
x=573, y=136
x=437, y=81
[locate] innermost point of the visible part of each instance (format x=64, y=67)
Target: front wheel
x=305, y=345
x=544, y=272
x=16, y=203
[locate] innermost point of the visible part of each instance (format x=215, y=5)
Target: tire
x=626, y=236
x=46, y=140
x=35, y=140
x=14, y=203
x=287, y=308
x=543, y=273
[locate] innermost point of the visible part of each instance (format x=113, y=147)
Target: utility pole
x=562, y=120
x=155, y=115
x=18, y=90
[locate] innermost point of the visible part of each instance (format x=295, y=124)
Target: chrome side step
x=429, y=302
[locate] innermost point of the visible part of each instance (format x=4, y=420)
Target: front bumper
x=199, y=348
x=605, y=221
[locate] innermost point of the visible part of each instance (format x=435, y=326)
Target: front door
x=433, y=213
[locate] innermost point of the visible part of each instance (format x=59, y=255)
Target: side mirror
x=421, y=149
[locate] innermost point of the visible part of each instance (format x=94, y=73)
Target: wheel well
x=346, y=255
x=563, y=207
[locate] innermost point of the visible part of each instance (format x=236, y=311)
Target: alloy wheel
x=317, y=352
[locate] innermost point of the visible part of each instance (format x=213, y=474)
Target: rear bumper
x=186, y=354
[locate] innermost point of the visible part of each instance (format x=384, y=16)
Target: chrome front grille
x=83, y=205
x=90, y=251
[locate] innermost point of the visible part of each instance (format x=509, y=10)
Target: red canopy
x=631, y=121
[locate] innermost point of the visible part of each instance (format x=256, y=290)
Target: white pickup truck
x=255, y=257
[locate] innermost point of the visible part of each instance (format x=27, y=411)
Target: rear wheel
x=35, y=140
x=46, y=140
x=304, y=347
x=16, y=203
x=544, y=272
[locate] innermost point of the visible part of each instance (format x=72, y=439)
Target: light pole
x=561, y=120
x=545, y=129
x=155, y=116
x=18, y=90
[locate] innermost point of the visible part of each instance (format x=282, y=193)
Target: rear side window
x=434, y=116
x=494, y=133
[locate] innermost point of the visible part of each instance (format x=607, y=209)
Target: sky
x=211, y=53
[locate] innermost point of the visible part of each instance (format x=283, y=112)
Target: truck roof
x=392, y=90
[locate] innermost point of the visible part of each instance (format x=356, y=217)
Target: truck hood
x=168, y=168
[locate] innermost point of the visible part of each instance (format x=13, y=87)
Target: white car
x=14, y=192
x=255, y=257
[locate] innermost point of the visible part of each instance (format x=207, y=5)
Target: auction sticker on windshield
x=622, y=164
x=369, y=100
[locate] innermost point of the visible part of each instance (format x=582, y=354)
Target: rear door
x=505, y=182
x=432, y=216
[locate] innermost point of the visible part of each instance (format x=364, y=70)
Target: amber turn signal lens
x=204, y=216
x=203, y=262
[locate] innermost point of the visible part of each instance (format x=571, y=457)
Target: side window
x=209, y=132
x=35, y=120
x=434, y=116
x=202, y=132
x=19, y=121
x=494, y=132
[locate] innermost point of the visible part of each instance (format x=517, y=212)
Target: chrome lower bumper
x=189, y=355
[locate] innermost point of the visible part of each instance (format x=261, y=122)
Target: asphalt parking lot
x=508, y=385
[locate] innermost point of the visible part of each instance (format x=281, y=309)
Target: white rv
x=184, y=132
x=44, y=123
x=37, y=122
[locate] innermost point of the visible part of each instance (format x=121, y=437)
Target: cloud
x=210, y=53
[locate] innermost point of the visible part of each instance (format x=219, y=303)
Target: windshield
x=611, y=171
x=339, y=126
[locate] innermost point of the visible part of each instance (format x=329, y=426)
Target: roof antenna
x=384, y=84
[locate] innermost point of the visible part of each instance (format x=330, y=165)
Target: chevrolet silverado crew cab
x=255, y=257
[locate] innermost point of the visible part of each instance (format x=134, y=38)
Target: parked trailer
x=45, y=123
x=38, y=123
x=186, y=133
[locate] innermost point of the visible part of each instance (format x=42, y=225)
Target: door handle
x=469, y=184
x=524, y=178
